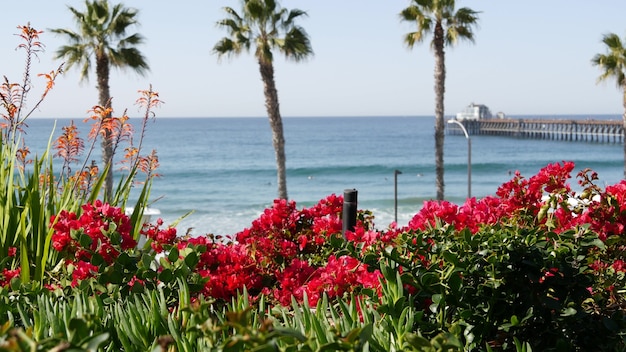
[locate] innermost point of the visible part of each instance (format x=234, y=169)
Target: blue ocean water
x=224, y=168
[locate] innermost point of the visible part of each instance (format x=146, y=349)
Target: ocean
x=224, y=169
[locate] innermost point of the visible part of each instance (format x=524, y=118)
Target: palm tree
x=613, y=65
x=447, y=26
x=101, y=36
x=267, y=26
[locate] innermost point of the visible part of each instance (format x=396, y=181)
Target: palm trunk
x=624, y=128
x=440, y=78
x=104, y=97
x=276, y=123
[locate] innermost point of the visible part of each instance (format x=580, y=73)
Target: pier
x=600, y=131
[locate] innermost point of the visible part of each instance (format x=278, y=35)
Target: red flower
x=98, y=221
x=341, y=275
x=548, y=274
x=135, y=281
x=619, y=265
x=8, y=275
x=291, y=282
x=159, y=236
x=12, y=251
x=432, y=211
x=82, y=270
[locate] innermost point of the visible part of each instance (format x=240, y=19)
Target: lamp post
x=395, y=193
x=469, y=157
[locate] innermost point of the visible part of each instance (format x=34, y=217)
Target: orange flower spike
x=93, y=171
x=154, y=163
x=10, y=95
x=51, y=78
x=21, y=157
x=99, y=115
x=69, y=145
x=149, y=99
x=31, y=35
x=11, y=110
x=125, y=129
x=148, y=164
x=45, y=178
x=110, y=126
x=22, y=153
x=131, y=152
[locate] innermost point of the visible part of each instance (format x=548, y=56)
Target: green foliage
x=501, y=286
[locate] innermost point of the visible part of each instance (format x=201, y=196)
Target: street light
x=469, y=157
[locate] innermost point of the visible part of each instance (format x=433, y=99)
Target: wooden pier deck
x=601, y=131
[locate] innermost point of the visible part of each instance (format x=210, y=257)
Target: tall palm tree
x=447, y=26
x=613, y=65
x=101, y=36
x=267, y=26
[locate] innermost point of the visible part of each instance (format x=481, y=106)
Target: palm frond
x=613, y=63
x=131, y=40
x=268, y=27
x=425, y=14
x=102, y=29
x=129, y=58
x=228, y=47
x=293, y=14
x=297, y=45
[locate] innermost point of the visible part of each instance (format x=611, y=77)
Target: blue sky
x=530, y=57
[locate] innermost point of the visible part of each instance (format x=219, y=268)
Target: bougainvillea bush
x=536, y=263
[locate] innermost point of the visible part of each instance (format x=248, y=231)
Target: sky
x=530, y=57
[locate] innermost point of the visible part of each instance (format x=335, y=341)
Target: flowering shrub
x=100, y=230
x=286, y=252
x=159, y=237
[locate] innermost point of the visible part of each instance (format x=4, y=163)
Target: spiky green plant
x=31, y=194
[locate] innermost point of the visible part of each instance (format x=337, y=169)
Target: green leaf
x=79, y=326
x=94, y=342
x=85, y=240
x=173, y=255
x=124, y=259
x=96, y=259
x=514, y=320
x=429, y=279
x=287, y=331
x=568, y=312
x=595, y=242
x=166, y=276
x=366, y=333
x=146, y=260
x=192, y=260
x=450, y=257
x=418, y=342
x=456, y=283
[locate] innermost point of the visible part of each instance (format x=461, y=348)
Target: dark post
x=349, y=210
x=395, y=193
